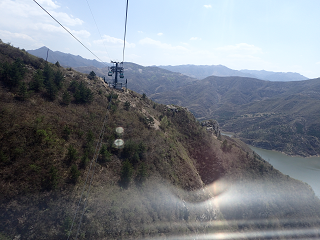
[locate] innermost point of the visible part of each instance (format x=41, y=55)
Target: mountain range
x=193, y=71
x=203, y=71
x=65, y=59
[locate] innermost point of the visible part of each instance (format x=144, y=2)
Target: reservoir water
x=304, y=169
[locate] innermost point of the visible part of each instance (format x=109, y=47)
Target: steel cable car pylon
x=116, y=69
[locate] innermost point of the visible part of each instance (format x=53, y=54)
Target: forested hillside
x=173, y=178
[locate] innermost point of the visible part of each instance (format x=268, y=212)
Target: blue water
x=304, y=169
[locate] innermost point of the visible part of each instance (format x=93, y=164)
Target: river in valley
x=304, y=169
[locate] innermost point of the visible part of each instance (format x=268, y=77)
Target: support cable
x=93, y=161
x=125, y=31
x=68, y=31
x=98, y=29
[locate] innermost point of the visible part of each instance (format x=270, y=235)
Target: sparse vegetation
x=46, y=148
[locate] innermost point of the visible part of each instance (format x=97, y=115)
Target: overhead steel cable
x=125, y=31
x=93, y=162
x=98, y=29
x=68, y=31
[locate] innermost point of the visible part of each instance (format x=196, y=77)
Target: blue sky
x=281, y=35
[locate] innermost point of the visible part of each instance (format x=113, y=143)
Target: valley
x=275, y=115
x=173, y=177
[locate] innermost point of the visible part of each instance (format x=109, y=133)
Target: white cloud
x=114, y=41
x=195, y=38
x=80, y=33
x=11, y=35
x=160, y=34
x=66, y=19
x=22, y=14
x=140, y=32
x=149, y=41
x=207, y=6
x=318, y=63
x=48, y=4
x=241, y=47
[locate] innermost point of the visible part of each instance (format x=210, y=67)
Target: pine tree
x=23, y=91
x=58, y=79
x=37, y=81
x=47, y=74
x=66, y=98
x=92, y=75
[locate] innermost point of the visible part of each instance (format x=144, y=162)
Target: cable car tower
x=116, y=69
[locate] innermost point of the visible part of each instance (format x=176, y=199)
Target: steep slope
x=273, y=115
x=173, y=178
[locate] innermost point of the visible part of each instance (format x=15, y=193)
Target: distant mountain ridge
x=282, y=116
x=275, y=76
x=65, y=59
x=193, y=71
x=203, y=71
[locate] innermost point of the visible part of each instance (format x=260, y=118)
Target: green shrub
x=66, y=98
x=12, y=74
x=58, y=79
x=3, y=158
x=75, y=173
x=127, y=105
x=126, y=174
x=164, y=123
x=85, y=160
x=53, y=178
x=142, y=173
x=37, y=81
x=35, y=168
x=104, y=154
x=112, y=96
x=83, y=94
x=66, y=133
x=23, y=91
x=72, y=154
x=92, y=75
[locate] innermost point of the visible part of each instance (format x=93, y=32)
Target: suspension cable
x=93, y=162
x=68, y=31
x=98, y=29
x=125, y=31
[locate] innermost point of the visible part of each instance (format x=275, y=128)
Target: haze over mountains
x=203, y=71
x=194, y=71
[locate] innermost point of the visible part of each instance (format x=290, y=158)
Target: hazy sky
x=280, y=35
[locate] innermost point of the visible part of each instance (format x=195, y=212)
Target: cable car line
x=98, y=29
x=68, y=31
x=125, y=31
x=93, y=162
x=99, y=143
